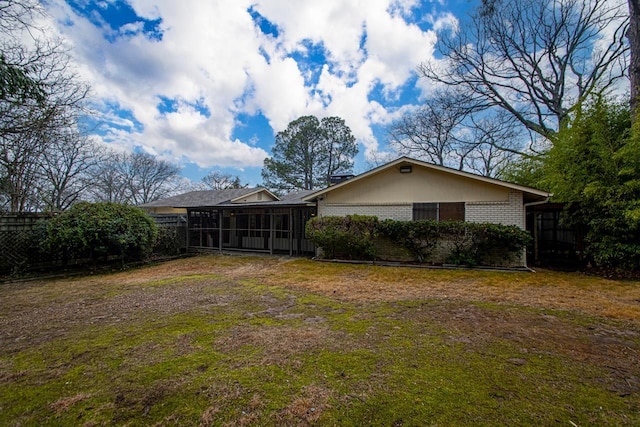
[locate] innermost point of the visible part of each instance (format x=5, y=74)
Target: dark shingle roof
x=297, y=195
x=194, y=199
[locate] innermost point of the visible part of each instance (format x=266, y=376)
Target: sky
x=206, y=84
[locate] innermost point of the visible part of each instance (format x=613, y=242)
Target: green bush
x=483, y=243
x=97, y=231
x=167, y=242
x=419, y=237
x=350, y=237
x=460, y=243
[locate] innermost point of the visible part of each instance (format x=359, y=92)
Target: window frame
x=433, y=211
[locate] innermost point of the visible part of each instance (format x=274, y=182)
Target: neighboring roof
x=290, y=199
x=409, y=161
x=256, y=190
x=228, y=198
x=194, y=199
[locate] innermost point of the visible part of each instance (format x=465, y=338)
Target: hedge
x=101, y=230
x=350, y=237
x=447, y=242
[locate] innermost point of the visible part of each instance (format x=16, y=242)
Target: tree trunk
x=633, y=34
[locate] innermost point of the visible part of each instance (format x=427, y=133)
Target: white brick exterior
x=509, y=212
x=399, y=212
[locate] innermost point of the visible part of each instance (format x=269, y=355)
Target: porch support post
x=220, y=220
x=271, y=231
x=188, y=227
x=290, y=231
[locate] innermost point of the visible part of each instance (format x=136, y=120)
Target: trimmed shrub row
x=432, y=242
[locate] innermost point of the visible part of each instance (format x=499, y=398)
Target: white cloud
x=211, y=54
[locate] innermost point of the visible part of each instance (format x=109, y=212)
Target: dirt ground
x=606, y=334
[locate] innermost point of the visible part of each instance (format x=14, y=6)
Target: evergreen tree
x=308, y=152
x=594, y=167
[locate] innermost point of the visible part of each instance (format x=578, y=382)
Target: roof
x=297, y=195
x=290, y=199
x=409, y=161
x=203, y=198
x=228, y=198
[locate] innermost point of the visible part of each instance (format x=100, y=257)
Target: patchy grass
x=218, y=340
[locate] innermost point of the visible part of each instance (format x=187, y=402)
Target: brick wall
x=400, y=212
x=510, y=212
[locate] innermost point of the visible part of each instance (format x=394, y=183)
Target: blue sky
x=207, y=84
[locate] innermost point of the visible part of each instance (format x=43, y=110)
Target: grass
x=273, y=341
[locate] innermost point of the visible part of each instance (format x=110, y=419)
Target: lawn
x=240, y=340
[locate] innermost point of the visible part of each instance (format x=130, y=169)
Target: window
x=425, y=211
x=439, y=211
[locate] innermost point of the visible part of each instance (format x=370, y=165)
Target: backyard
x=248, y=340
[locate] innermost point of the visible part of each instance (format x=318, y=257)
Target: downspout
x=526, y=205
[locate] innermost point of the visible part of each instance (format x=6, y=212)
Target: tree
x=16, y=84
x=633, y=34
x=216, y=180
x=430, y=132
x=341, y=146
x=594, y=167
x=308, y=152
x=149, y=178
x=19, y=160
x=495, y=142
x=446, y=132
x=40, y=98
x=132, y=178
x=537, y=60
x=64, y=170
x=108, y=181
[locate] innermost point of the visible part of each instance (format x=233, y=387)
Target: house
x=255, y=219
x=408, y=189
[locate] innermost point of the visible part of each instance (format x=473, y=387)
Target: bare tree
x=149, y=178
x=132, y=178
x=429, y=133
x=217, y=180
x=19, y=159
x=537, y=60
x=446, y=131
x=497, y=141
x=108, y=181
x=40, y=98
x=65, y=168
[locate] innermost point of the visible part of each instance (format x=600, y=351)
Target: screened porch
x=274, y=230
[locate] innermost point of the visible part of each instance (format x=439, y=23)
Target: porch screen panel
x=203, y=228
